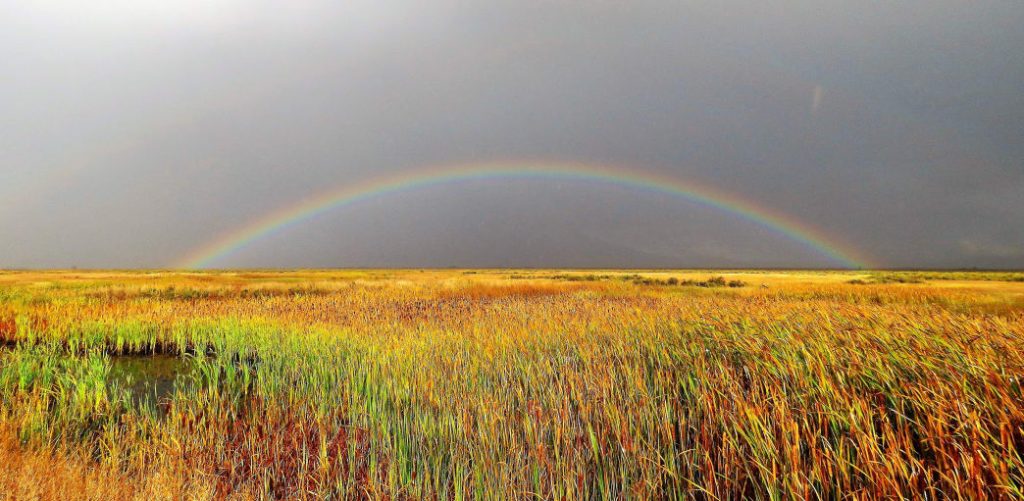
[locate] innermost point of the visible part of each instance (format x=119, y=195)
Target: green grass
x=463, y=386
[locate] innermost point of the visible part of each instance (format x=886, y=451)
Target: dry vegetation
x=514, y=384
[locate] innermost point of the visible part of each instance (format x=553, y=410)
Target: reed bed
x=447, y=385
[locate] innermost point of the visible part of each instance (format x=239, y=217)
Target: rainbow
x=342, y=196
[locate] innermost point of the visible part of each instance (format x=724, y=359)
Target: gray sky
x=134, y=132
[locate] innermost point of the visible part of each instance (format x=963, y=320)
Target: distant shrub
x=858, y=281
x=673, y=281
x=590, y=277
x=897, y=278
x=715, y=282
x=710, y=283
x=916, y=276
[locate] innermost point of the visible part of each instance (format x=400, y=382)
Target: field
x=510, y=384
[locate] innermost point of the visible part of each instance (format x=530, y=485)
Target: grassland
x=499, y=384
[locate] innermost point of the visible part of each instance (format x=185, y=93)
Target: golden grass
x=46, y=475
x=492, y=291
x=501, y=384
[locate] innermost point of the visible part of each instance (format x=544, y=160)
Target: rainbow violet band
x=342, y=196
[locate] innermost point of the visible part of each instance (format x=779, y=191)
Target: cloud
x=990, y=249
x=133, y=131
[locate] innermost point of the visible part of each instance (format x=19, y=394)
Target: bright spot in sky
x=139, y=14
x=151, y=17
x=816, y=96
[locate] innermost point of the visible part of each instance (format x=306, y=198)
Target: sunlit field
x=511, y=384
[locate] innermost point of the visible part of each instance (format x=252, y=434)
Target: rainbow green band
x=298, y=213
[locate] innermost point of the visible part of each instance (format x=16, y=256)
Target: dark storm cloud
x=133, y=132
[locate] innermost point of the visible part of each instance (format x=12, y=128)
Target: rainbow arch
x=329, y=200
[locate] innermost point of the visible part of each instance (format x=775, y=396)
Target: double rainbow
x=276, y=221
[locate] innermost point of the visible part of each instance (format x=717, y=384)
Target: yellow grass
x=496, y=384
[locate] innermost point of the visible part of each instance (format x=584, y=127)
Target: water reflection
x=149, y=379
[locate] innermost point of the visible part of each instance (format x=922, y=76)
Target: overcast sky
x=134, y=132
